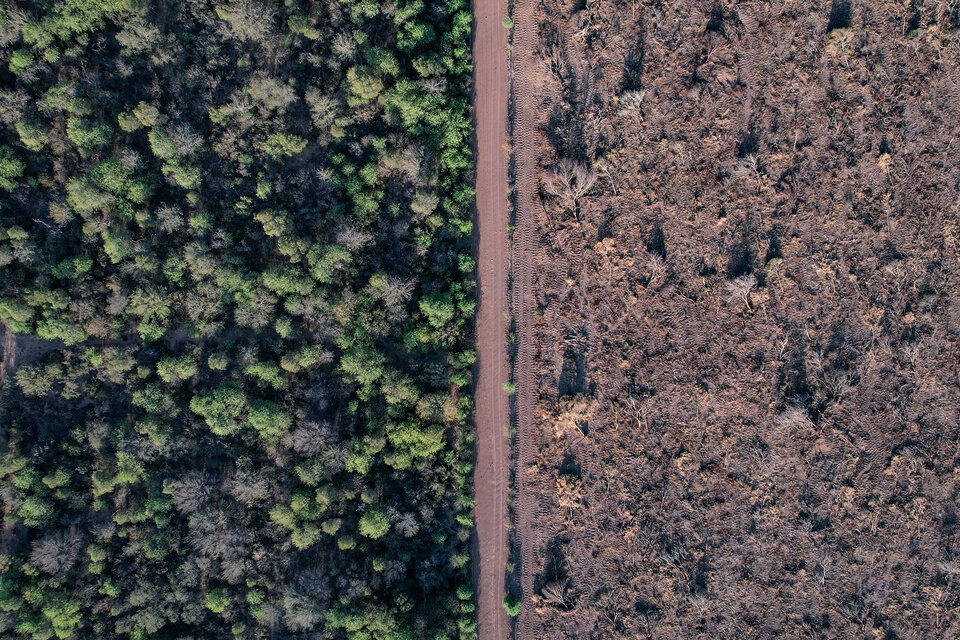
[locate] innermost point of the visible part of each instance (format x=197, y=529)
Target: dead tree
x=740, y=288
x=571, y=180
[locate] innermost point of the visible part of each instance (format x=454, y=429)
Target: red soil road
x=491, y=477
x=9, y=350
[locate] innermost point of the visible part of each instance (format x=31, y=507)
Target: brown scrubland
x=747, y=322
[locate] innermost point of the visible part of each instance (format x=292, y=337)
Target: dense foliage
x=235, y=247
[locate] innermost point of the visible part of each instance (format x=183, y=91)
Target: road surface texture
x=523, y=54
x=9, y=353
x=491, y=479
x=21, y=350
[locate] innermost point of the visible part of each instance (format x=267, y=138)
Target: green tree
x=279, y=145
x=11, y=168
x=221, y=407
x=16, y=315
x=110, y=175
x=20, y=60
x=160, y=143
x=363, y=84
x=326, y=260
x=88, y=135
x=364, y=364
x=186, y=176
x=301, y=25
x=438, y=308
x=269, y=420
x=32, y=137
x=217, y=600
x=266, y=373
x=374, y=523
x=73, y=267
x=148, y=115
x=63, y=613
x=36, y=511
x=176, y=370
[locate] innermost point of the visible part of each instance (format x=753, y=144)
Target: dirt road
x=9, y=353
x=491, y=477
x=523, y=54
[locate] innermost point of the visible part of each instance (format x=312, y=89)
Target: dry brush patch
x=747, y=320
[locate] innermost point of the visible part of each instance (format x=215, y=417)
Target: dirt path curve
x=523, y=58
x=9, y=364
x=492, y=474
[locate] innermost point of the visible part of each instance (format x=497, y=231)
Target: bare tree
x=570, y=181
x=740, y=288
x=794, y=417
x=271, y=92
x=606, y=170
x=699, y=603
x=56, y=553
x=631, y=103
x=748, y=168
x=192, y=491
x=657, y=267
x=553, y=61
x=555, y=593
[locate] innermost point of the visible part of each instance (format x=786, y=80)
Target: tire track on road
x=523, y=56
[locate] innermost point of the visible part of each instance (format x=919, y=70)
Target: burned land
x=747, y=321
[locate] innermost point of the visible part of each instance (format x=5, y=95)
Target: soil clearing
x=492, y=476
x=736, y=295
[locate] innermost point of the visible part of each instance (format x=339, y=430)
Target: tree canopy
x=231, y=249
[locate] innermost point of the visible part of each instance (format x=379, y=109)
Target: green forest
x=235, y=253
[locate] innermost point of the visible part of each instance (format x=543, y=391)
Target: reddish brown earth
x=491, y=477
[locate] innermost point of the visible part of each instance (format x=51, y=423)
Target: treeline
x=245, y=226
